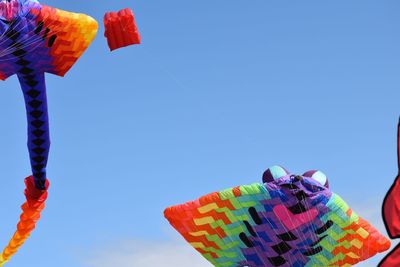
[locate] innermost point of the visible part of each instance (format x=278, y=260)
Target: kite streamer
x=35, y=39
x=31, y=209
x=288, y=220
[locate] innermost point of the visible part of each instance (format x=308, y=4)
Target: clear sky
x=218, y=92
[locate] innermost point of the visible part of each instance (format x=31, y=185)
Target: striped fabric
x=292, y=221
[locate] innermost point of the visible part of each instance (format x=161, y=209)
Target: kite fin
x=69, y=35
x=47, y=39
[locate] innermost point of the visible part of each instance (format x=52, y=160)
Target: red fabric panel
x=391, y=214
x=391, y=204
x=391, y=210
x=392, y=259
x=120, y=29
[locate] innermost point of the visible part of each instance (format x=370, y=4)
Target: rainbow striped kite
x=288, y=220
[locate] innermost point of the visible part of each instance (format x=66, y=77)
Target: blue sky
x=218, y=92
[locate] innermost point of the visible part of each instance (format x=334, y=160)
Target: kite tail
x=31, y=209
x=34, y=89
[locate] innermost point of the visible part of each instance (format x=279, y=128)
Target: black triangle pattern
x=36, y=103
x=33, y=86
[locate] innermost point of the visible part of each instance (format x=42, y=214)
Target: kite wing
x=52, y=40
x=286, y=223
x=67, y=36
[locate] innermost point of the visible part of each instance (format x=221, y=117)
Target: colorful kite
x=391, y=213
x=121, y=29
x=35, y=39
x=288, y=220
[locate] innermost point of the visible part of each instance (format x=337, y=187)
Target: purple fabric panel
x=34, y=89
x=23, y=52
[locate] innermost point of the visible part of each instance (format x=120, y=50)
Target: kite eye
x=318, y=176
x=274, y=173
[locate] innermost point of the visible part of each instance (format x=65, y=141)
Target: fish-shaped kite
x=288, y=220
x=35, y=39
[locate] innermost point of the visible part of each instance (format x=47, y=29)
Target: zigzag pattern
x=31, y=209
x=73, y=34
x=239, y=227
x=51, y=39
